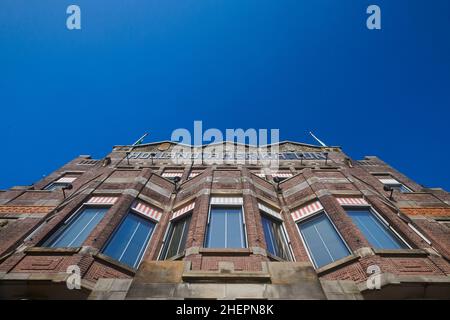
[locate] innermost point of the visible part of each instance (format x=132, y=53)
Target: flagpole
x=317, y=139
x=139, y=141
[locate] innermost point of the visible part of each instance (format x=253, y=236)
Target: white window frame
x=59, y=230
x=117, y=228
x=244, y=225
x=166, y=233
x=379, y=217
x=284, y=232
x=303, y=219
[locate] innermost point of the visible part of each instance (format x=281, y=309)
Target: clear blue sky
x=158, y=65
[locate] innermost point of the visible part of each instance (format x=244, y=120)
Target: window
x=282, y=175
x=195, y=172
x=387, y=180
x=77, y=228
x=225, y=228
x=62, y=182
x=176, y=237
x=129, y=242
x=56, y=186
x=376, y=232
x=275, y=237
x=322, y=241
x=172, y=175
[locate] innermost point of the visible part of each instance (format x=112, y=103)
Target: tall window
x=275, y=237
x=129, y=242
x=376, y=232
x=322, y=240
x=176, y=237
x=77, y=228
x=225, y=228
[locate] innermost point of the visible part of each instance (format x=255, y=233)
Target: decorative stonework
x=26, y=209
x=443, y=212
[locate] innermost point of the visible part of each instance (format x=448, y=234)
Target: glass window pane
x=226, y=229
x=234, y=227
x=216, y=231
x=176, y=237
x=275, y=240
x=268, y=235
x=322, y=240
x=378, y=235
x=56, y=186
x=116, y=246
x=78, y=229
x=129, y=242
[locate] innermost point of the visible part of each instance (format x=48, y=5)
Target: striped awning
x=269, y=211
x=282, y=174
x=259, y=174
x=147, y=210
x=102, y=200
x=194, y=174
x=347, y=201
x=172, y=174
x=183, y=210
x=306, y=210
x=66, y=180
x=389, y=181
x=227, y=200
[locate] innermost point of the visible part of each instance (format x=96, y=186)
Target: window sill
x=225, y=252
x=115, y=263
x=275, y=258
x=217, y=276
x=401, y=252
x=47, y=250
x=337, y=264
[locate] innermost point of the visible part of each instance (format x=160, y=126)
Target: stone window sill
x=225, y=252
x=47, y=250
x=337, y=264
x=104, y=258
x=401, y=252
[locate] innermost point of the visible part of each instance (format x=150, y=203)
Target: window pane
x=378, y=235
x=176, y=238
x=216, y=232
x=275, y=239
x=226, y=229
x=322, y=240
x=235, y=232
x=130, y=240
x=56, y=186
x=76, y=232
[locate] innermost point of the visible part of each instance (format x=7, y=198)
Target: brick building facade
x=138, y=226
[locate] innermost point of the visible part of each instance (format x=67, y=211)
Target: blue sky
x=155, y=66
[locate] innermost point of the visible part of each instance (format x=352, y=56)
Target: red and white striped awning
x=172, y=174
x=347, y=201
x=147, y=210
x=66, y=180
x=307, y=210
x=282, y=174
x=194, y=174
x=183, y=210
x=227, y=200
x=269, y=211
x=389, y=181
x=259, y=174
x=102, y=200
